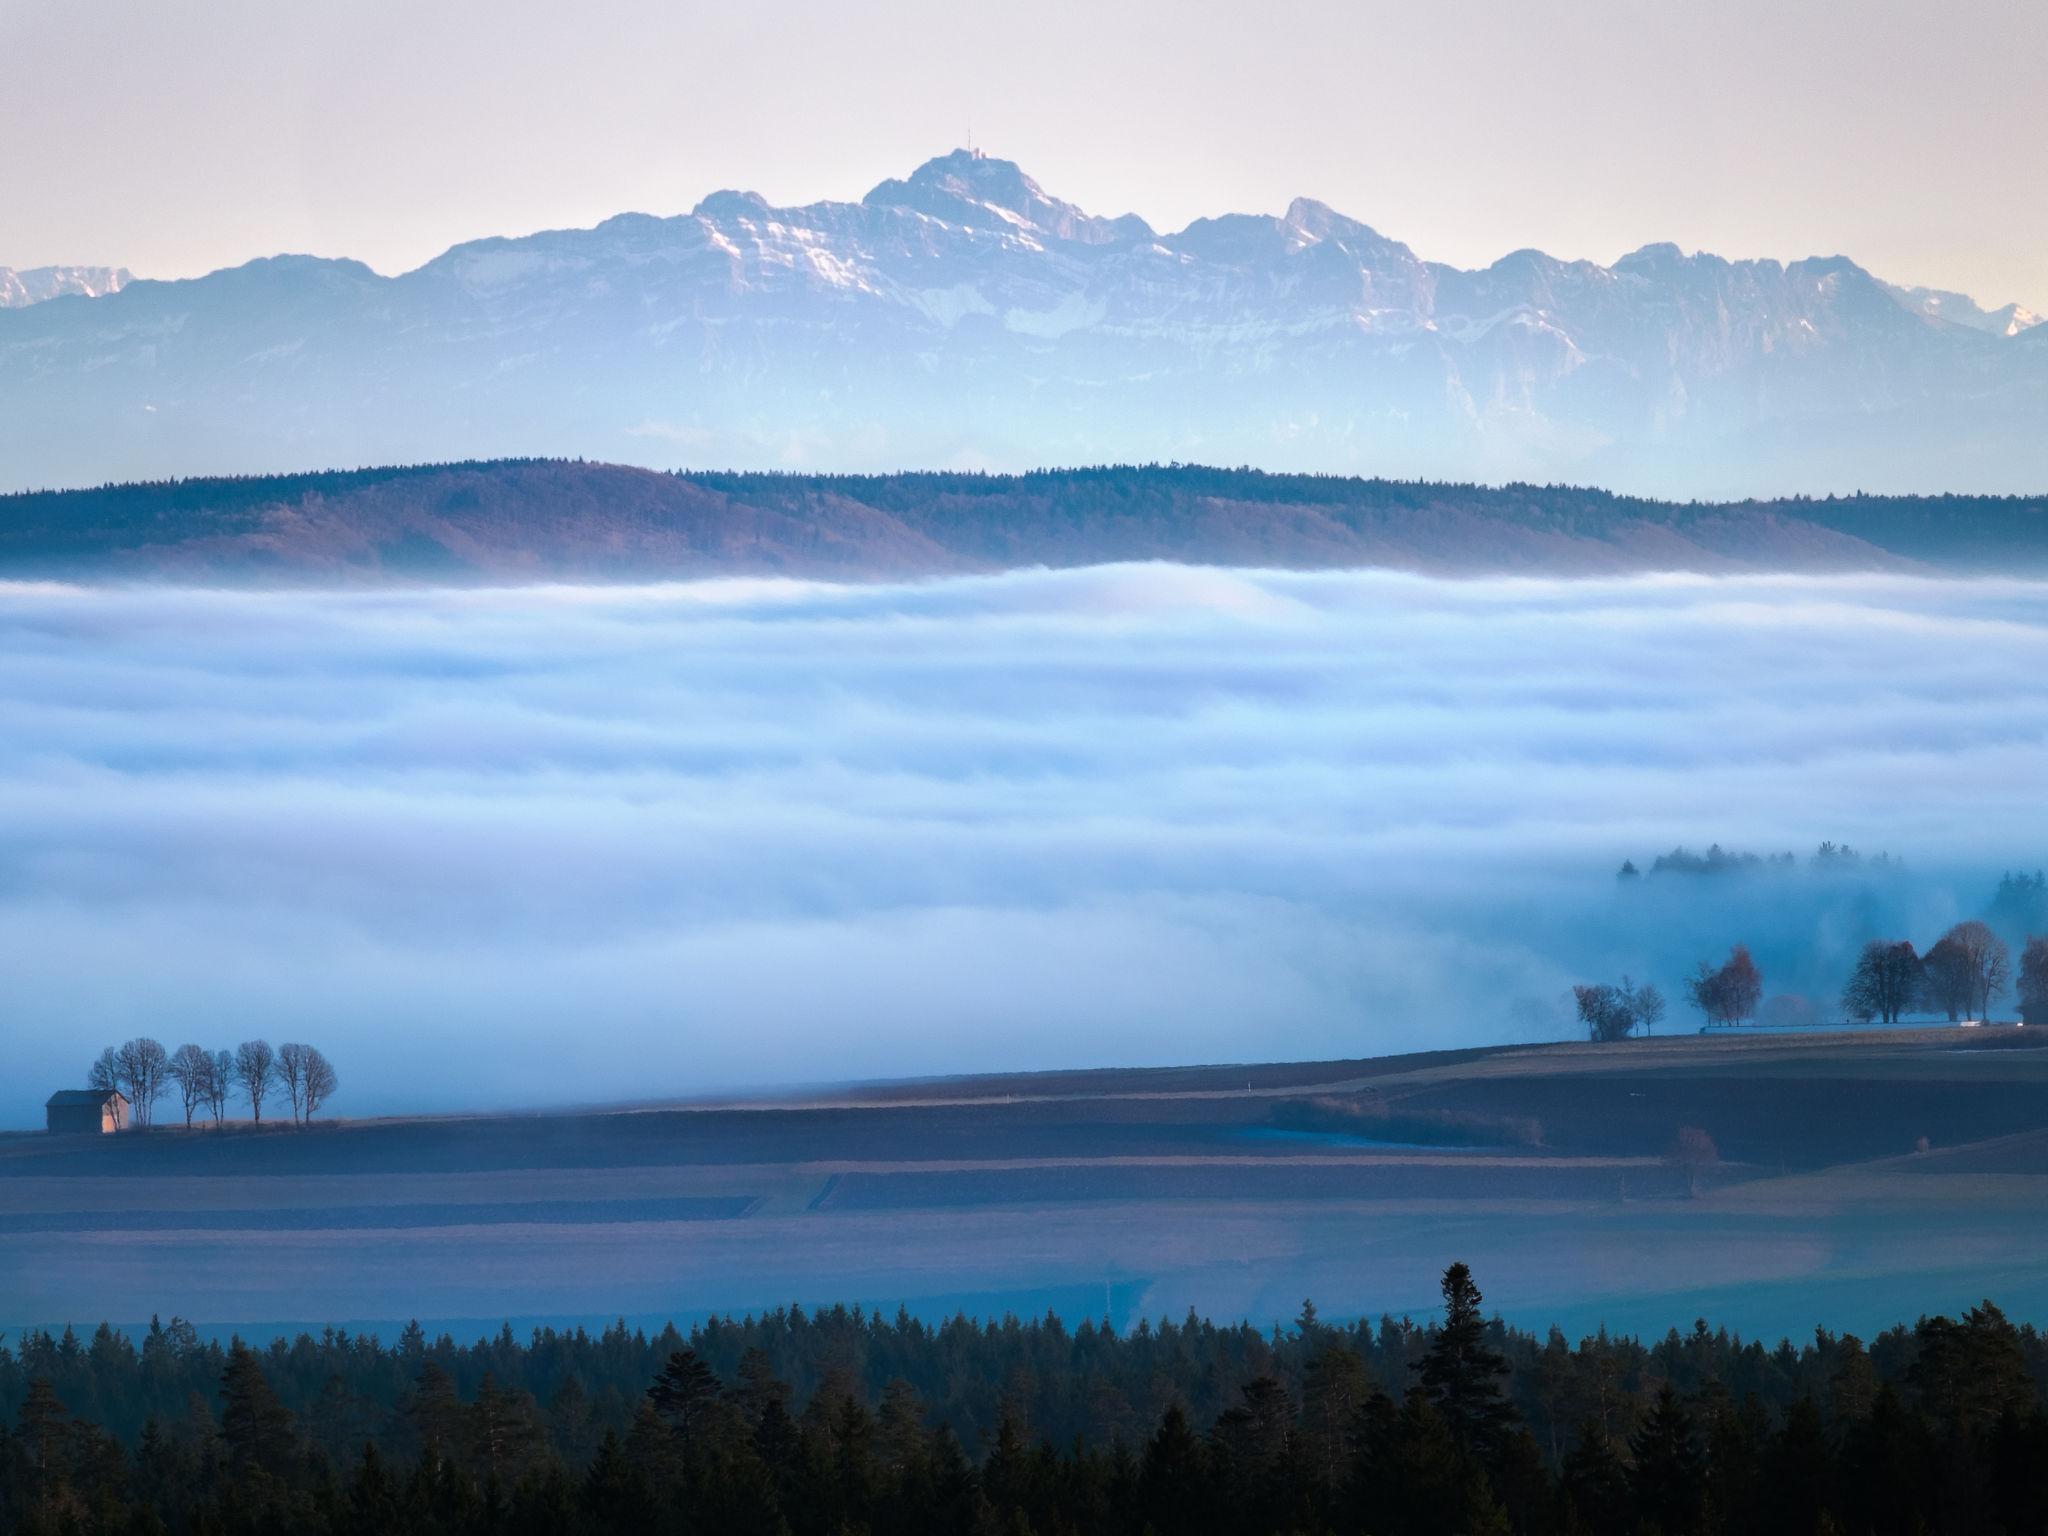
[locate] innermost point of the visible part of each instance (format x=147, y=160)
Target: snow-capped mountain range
x=964, y=316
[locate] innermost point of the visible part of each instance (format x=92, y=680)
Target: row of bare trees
x=207, y=1081
x=1960, y=974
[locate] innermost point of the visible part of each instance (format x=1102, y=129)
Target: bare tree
x=306, y=1076
x=153, y=1063
x=1945, y=978
x=291, y=1073
x=1646, y=1002
x=1888, y=981
x=1692, y=1150
x=1703, y=991
x=256, y=1072
x=141, y=1067
x=221, y=1084
x=191, y=1068
x=126, y=1069
x=1988, y=961
x=105, y=1075
x=321, y=1084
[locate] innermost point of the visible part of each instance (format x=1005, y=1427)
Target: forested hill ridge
x=521, y=519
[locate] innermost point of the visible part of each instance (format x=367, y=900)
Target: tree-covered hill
x=531, y=519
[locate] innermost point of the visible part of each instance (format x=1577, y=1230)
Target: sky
x=584, y=845
x=177, y=136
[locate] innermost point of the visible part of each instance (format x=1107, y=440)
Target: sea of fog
x=584, y=844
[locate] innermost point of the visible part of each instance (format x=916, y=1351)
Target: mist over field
x=552, y=845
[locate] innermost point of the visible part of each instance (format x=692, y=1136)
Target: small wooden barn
x=93, y=1111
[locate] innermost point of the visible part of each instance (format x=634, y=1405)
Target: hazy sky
x=174, y=136
x=650, y=841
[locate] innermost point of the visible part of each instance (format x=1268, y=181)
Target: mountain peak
x=1657, y=254
x=1317, y=220
x=732, y=204
x=969, y=187
x=1313, y=216
x=998, y=181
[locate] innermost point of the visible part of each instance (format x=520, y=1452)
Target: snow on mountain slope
x=1961, y=309
x=965, y=317
x=23, y=286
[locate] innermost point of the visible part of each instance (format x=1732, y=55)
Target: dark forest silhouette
x=841, y=1420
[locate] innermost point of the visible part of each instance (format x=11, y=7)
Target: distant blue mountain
x=965, y=317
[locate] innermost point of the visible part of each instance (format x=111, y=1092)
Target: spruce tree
x=682, y=1392
x=40, y=1428
x=1461, y=1372
x=254, y=1426
x=436, y=1415
x=1669, y=1473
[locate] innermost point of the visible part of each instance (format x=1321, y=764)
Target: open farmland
x=1234, y=1190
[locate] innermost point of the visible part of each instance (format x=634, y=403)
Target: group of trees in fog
x=2020, y=904
x=1726, y=993
x=1614, y=1012
x=1959, y=976
x=207, y=1082
x=840, y=1421
x=1723, y=861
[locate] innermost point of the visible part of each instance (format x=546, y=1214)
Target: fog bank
x=549, y=845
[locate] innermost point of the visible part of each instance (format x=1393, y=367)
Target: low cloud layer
x=581, y=844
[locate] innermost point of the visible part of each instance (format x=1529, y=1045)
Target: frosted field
x=555, y=845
